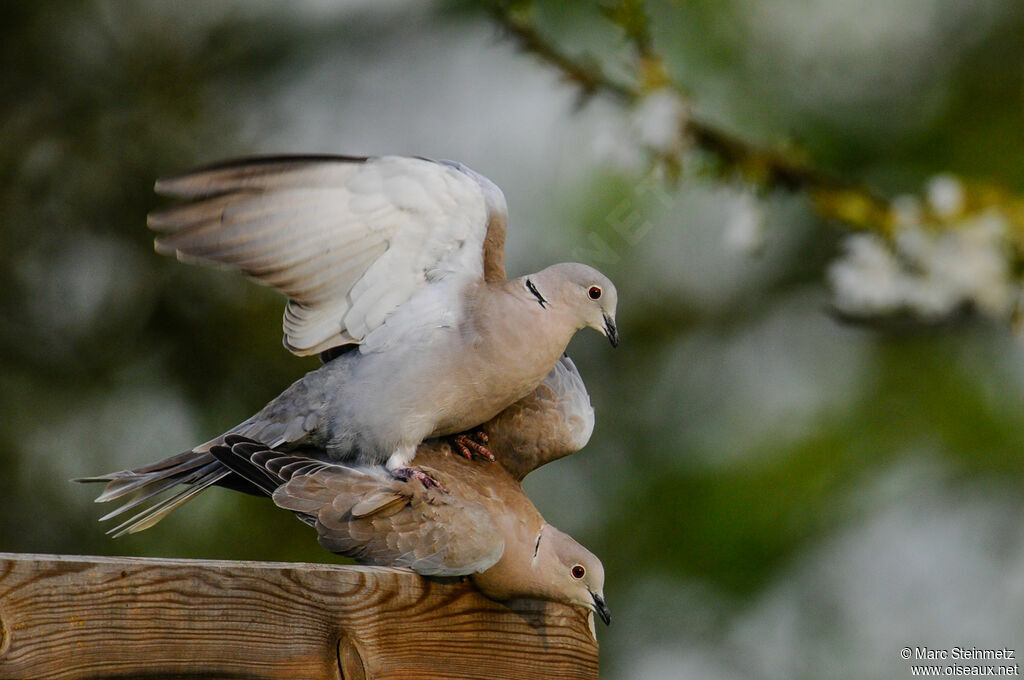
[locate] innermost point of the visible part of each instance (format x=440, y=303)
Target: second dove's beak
x=610, y=331
x=602, y=609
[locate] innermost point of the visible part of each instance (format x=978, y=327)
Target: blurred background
x=808, y=446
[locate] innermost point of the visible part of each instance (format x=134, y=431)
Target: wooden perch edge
x=76, y=617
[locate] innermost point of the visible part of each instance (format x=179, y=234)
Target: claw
x=472, y=444
x=426, y=480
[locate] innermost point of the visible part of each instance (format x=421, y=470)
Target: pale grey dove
x=401, y=258
x=483, y=526
x=556, y=419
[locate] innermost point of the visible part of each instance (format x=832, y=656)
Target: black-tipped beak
x=611, y=331
x=602, y=609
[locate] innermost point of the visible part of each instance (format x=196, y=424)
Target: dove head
x=582, y=291
x=569, y=573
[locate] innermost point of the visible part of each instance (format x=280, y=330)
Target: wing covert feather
x=369, y=515
x=552, y=422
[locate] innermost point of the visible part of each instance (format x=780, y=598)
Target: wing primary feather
x=233, y=456
x=352, y=240
x=226, y=175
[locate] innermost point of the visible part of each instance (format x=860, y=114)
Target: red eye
x=594, y=292
x=578, y=571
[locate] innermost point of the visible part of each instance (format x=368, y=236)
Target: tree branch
x=770, y=168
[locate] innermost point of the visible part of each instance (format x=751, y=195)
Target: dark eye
x=594, y=292
x=578, y=571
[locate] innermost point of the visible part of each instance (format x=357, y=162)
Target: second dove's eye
x=578, y=571
x=594, y=292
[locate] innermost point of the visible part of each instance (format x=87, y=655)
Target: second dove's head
x=581, y=290
x=574, y=574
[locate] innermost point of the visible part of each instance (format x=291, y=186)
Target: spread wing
x=347, y=240
x=553, y=421
x=367, y=514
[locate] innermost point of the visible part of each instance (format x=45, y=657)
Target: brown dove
x=482, y=526
x=400, y=261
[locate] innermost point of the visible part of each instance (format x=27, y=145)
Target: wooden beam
x=74, y=617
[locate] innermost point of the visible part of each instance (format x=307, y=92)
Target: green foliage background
x=774, y=493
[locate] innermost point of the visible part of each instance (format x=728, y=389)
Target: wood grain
x=73, y=617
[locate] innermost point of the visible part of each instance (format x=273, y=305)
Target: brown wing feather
x=374, y=518
x=494, y=245
x=553, y=421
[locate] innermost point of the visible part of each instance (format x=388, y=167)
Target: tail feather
x=120, y=484
x=155, y=513
x=147, y=488
x=157, y=489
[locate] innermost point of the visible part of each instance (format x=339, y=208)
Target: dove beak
x=610, y=331
x=602, y=609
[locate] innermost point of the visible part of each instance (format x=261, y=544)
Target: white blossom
x=868, y=279
x=975, y=262
x=945, y=195
x=928, y=273
x=744, y=226
x=660, y=120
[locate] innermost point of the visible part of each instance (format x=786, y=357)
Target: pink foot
x=472, y=444
x=426, y=480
